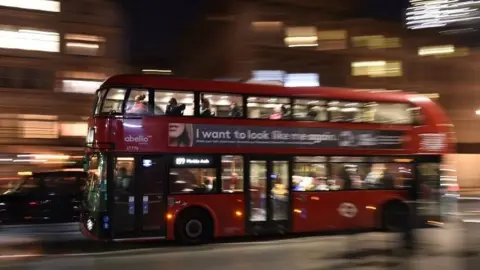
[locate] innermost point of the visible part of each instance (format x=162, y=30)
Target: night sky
x=154, y=26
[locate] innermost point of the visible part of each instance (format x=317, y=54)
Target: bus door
x=139, y=197
x=268, y=200
x=428, y=173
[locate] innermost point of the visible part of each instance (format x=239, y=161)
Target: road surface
x=455, y=246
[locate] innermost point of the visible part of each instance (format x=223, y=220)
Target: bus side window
x=417, y=116
x=173, y=103
x=310, y=110
x=272, y=108
x=137, y=102
x=345, y=111
x=232, y=174
x=221, y=105
x=388, y=113
x=113, y=101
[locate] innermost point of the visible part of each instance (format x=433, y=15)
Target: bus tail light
x=169, y=216
x=238, y=213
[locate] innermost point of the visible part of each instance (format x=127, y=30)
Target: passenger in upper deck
x=205, y=108
x=277, y=114
x=139, y=106
x=235, y=111
x=173, y=109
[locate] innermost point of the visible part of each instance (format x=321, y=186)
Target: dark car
x=44, y=197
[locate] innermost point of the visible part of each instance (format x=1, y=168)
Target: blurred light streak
x=42, y=5
x=157, y=71
x=44, y=156
x=432, y=14
x=30, y=160
x=24, y=173
x=434, y=50
x=82, y=45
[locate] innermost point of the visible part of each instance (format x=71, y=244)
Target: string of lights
x=441, y=13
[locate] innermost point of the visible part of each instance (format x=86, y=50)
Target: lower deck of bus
x=156, y=196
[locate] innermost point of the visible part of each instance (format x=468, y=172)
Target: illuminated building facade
x=54, y=55
x=243, y=39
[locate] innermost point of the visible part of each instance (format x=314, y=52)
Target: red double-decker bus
x=191, y=160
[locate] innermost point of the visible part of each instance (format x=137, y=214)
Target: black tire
x=194, y=227
x=395, y=216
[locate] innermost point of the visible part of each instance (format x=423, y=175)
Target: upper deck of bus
x=428, y=118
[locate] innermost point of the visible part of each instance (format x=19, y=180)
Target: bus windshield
x=96, y=193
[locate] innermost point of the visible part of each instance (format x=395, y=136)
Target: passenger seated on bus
x=286, y=113
x=311, y=112
x=235, y=111
x=277, y=113
x=173, y=109
x=387, y=180
x=347, y=179
x=205, y=108
x=139, y=106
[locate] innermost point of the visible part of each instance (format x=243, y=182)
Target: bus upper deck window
x=418, y=118
x=272, y=108
x=310, y=109
x=388, y=113
x=137, y=102
x=114, y=100
x=345, y=111
x=98, y=100
x=173, y=103
x=221, y=105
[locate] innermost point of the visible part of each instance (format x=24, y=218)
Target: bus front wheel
x=395, y=216
x=194, y=226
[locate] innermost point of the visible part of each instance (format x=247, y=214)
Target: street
x=366, y=251
x=453, y=246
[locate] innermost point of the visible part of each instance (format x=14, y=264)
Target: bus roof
x=172, y=83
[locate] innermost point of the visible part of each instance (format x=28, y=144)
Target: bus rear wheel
x=194, y=227
x=395, y=216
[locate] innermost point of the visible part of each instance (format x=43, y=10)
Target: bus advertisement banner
x=189, y=135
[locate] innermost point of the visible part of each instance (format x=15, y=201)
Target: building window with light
x=332, y=40
x=376, y=42
x=86, y=45
x=377, y=69
x=40, y=5
x=80, y=82
x=20, y=38
x=301, y=36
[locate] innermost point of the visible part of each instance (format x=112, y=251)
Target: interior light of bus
x=24, y=173
x=370, y=207
x=403, y=160
x=238, y=213
x=169, y=216
x=298, y=211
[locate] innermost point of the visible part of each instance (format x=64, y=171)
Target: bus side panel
x=321, y=211
x=226, y=211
